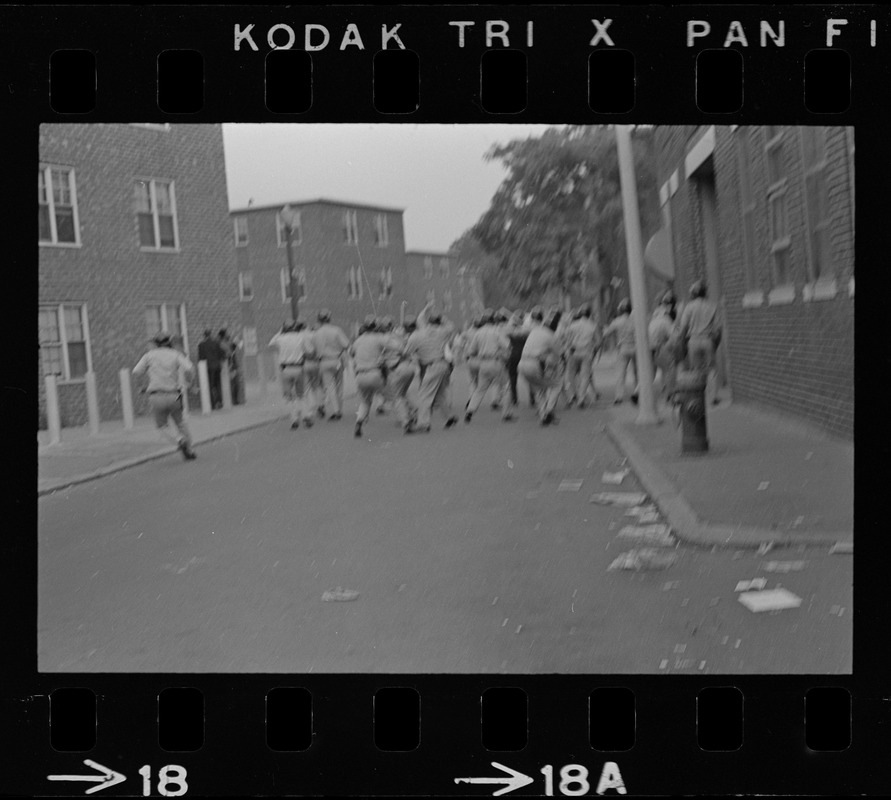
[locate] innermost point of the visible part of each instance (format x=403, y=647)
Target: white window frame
x=431, y=296
x=748, y=206
x=447, y=300
x=444, y=268
x=238, y=241
x=777, y=191
x=385, y=283
x=351, y=227
x=153, y=195
x=285, y=284
x=296, y=231
x=382, y=234
x=241, y=293
x=47, y=170
x=165, y=326
x=354, y=280
x=428, y=267
x=152, y=126
x=814, y=226
x=59, y=308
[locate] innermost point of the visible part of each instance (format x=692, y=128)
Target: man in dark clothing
x=517, y=333
x=231, y=350
x=210, y=350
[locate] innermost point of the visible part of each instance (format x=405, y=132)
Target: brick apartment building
x=448, y=282
x=766, y=215
x=347, y=257
x=134, y=236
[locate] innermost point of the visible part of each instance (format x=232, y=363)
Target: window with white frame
x=443, y=268
x=813, y=149
x=385, y=283
x=381, y=234
x=169, y=317
x=155, y=205
x=299, y=282
x=431, y=296
x=296, y=230
x=447, y=300
x=245, y=285
x=747, y=205
x=428, y=266
x=64, y=338
x=241, y=231
x=354, y=283
x=777, y=210
x=57, y=221
x=350, y=227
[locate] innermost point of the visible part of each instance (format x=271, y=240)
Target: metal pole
x=126, y=398
x=226, y=381
x=646, y=407
x=92, y=402
x=204, y=384
x=53, y=417
x=291, y=271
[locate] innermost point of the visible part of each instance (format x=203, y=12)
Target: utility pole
x=289, y=217
x=646, y=407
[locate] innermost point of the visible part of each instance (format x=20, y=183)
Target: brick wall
x=796, y=357
x=466, y=294
x=109, y=271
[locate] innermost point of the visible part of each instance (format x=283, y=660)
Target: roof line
x=316, y=201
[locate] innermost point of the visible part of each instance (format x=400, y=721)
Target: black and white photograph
x=515, y=399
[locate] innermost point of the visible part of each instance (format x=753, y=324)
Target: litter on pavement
x=755, y=583
x=765, y=547
x=510, y=464
x=770, y=600
x=651, y=534
x=570, y=486
x=763, y=485
x=841, y=547
x=339, y=595
x=784, y=566
x=644, y=558
x=618, y=498
x=615, y=478
x=670, y=585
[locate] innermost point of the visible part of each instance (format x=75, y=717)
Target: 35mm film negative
x=654, y=596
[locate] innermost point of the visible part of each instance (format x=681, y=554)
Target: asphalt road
x=466, y=558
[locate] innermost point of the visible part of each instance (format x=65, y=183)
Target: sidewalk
x=80, y=457
x=764, y=479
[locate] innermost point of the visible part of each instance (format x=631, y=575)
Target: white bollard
x=184, y=394
x=226, y=380
x=204, y=384
x=261, y=372
x=126, y=398
x=92, y=402
x=53, y=418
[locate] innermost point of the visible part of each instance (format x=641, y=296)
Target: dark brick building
x=449, y=282
x=134, y=235
x=347, y=257
x=766, y=215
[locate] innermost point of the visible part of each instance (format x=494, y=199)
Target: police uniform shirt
x=623, y=327
x=330, y=341
x=429, y=343
x=393, y=348
x=700, y=318
x=582, y=334
x=540, y=343
x=163, y=365
x=490, y=342
x=660, y=329
x=293, y=346
x=368, y=351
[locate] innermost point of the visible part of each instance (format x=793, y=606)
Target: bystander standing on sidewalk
x=700, y=328
x=164, y=365
x=211, y=352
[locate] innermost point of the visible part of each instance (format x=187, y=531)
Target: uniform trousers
x=701, y=356
x=626, y=357
x=313, y=396
x=580, y=370
x=331, y=377
x=542, y=382
x=473, y=371
x=663, y=358
x=368, y=383
x=491, y=373
x=434, y=392
x=399, y=378
x=169, y=405
x=295, y=389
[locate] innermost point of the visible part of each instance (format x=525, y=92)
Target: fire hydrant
x=690, y=389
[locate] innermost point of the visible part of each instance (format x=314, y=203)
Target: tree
x=555, y=227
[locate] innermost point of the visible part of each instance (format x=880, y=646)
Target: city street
x=466, y=556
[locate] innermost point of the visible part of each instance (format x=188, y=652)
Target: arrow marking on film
x=108, y=778
x=515, y=780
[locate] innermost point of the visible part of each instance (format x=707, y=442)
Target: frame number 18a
x=573, y=780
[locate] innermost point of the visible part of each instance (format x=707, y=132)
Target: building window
x=444, y=268
x=155, y=204
x=299, y=281
x=154, y=126
x=296, y=230
x=354, y=283
x=169, y=317
x=747, y=205
x=447, y=300
x=428, y=266
x=431, y=296
x=813, y=149
x=241, y=231
x=385, y=282
x=64, y=337
x=246, y=285
x=57, y=206
x=350, y=228
x=776, y=204
x=381, y=235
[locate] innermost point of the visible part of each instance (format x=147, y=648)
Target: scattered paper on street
x=763, y=485
x=755, y=583
x=765, y=547
x=841, y=547
x=651, y=534
x=641, y=511
x=618, y=498
x=644, y=558
x=784, y=566
x=339, y=595
x=570, y=485
x=615, y=477
x=770, y=600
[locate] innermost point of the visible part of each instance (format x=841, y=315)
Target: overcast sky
x=435, y=172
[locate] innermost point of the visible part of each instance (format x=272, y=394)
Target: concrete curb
x=118, y=466
x=682, y=518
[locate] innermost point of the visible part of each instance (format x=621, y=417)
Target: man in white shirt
x=583, y=336
x=294, y=345
x=331, y=346
x=167, y=368
x=539, y=365
x=700, y=328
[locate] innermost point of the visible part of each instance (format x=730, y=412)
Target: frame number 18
x=171, y=780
